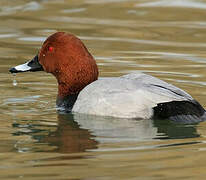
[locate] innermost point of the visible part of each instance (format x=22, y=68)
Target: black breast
x=66, y=104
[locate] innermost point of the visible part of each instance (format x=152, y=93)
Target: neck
x=68, y=90
x=72, y=80
x=67, y=96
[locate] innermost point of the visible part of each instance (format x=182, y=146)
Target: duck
x=131, y=96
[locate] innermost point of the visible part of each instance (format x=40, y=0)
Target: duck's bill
x=32, y=65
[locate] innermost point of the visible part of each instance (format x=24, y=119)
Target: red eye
x=50, y=48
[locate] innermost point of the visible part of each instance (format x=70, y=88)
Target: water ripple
x=31, y=6
x=144, y=41
x=174, y=3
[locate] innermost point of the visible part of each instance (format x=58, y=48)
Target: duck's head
x=66, y=57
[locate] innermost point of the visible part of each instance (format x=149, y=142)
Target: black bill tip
x=13, y=70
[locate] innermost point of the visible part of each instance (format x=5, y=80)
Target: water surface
x=160, y=37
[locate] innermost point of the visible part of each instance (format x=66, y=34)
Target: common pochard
x=134, y=95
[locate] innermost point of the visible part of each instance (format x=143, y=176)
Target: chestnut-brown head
x=66, y=57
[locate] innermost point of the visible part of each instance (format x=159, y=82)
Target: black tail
x=180, y=111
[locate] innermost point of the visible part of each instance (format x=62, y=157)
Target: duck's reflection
x=170, y=130
x=79, y=133
x=69, y=136
x=107, y=129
